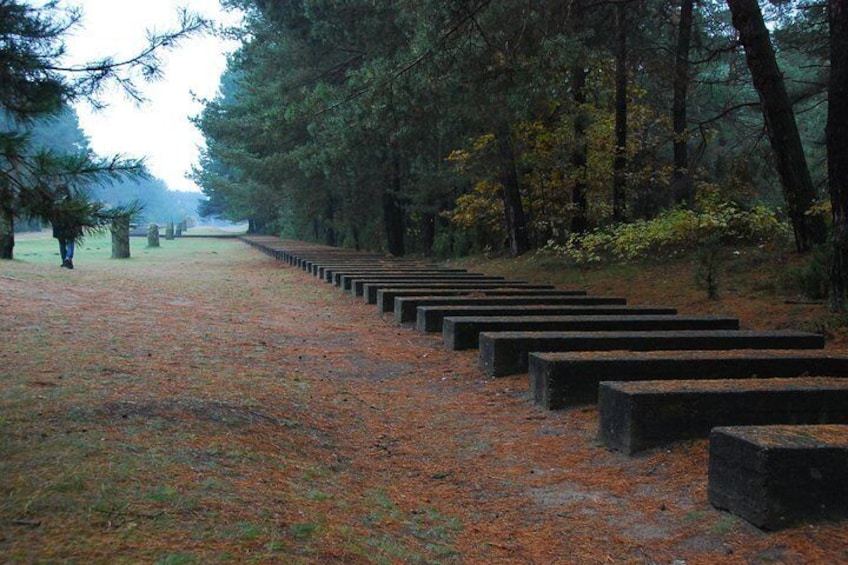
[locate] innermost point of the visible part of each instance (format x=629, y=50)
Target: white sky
x=158, y=130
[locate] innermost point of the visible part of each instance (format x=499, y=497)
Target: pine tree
x=34, y=85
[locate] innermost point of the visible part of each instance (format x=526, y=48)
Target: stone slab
x=779, y=476
x=385, y=296
x=354, y=283
x=430, y=318
x=335, y=275
x=639, y=415
x=558, y=380
x=506, y=353
x=461, y=332
x=405, y=306
x=315, y=264
x=369, y=290
x=324, y=270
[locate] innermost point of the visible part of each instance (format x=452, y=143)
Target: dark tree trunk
x=7, y=234
x=393, y=214
x=428, y=232
x=782, y=130
x=121, y=238
x=619, y=164
x=579, y=160
x=681, y=183
x=329, y=220
x=357, y=244
x=837, y=149
x=516, y=223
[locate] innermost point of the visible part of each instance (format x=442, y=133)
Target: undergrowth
x=674, y=233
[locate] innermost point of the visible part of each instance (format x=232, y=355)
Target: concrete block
x=779, y=476
x=560, y=379
x=638, y=415
x=505, y=353
x=462, y=332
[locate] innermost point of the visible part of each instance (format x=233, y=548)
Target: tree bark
x=516, y=222
x=782, y=130
x=7, y=234
x=619, y=164
x=579, y=159
x=393, y=214
x=428, y=233
x=330, y=235
x=837, y=150
x=681, y=183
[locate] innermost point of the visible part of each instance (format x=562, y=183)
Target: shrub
x=673, y=233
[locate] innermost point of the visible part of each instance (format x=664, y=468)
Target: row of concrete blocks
x=770, y=403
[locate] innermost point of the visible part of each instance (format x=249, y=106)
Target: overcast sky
x=158, y=130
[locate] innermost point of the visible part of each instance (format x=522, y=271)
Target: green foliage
x=345, y=134
x=812, y=278
x=61, y=134
x=675, y=232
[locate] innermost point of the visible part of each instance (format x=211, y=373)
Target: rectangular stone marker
x=430, y=318
x=325, y=270
x=505, y=353
x=405, y=307
x=462, y=332
x=385, y=296
x=779, y=476
x=560, y=379
x=639, y=415
x=354, y=283
x=312, y=264
x=370, y=290
x=334, y=274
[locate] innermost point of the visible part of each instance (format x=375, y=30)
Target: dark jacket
x=65, y=225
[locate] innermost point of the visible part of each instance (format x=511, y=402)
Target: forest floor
x=202, y=403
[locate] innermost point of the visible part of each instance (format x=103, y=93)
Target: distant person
x=67, y=229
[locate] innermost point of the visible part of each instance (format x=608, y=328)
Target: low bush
x=675, y=232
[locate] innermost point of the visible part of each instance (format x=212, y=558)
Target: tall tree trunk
x=329, y=223
x=619, y=164
x=7, y=234
x=393, y=214
x=428, y=232
x=516, y=222
x=681, y=183
x=357, y=244
x=798, y=189
x=837, y=150
x=579, y=159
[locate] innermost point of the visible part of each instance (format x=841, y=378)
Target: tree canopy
x=36, y=85
x=433, y=126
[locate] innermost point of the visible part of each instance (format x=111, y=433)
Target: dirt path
x=220, y=407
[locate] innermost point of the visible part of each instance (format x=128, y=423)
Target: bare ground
x=220, y=407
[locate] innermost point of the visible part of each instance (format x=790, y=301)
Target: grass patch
x=304, y=531
x=426, y=535
x=95, y=251
x=177, y=559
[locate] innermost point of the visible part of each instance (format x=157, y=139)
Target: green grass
x=96, y=250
